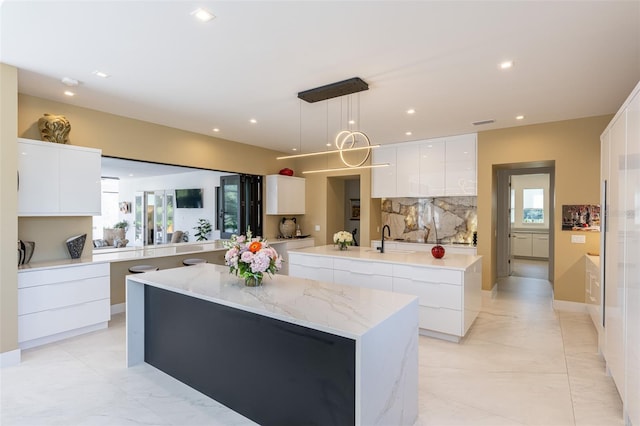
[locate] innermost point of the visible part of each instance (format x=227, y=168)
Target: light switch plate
x=317, y=228
x=578, y=239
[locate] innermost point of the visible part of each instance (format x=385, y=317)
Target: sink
x=391, y=251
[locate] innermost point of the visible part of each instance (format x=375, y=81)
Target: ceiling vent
x=334, y=90
x=480, y=123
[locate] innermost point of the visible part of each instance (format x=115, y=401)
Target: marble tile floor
x=522, y=363
x=530, y=268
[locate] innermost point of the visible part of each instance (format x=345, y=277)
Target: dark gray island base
x=289, y=353
x=273, y=372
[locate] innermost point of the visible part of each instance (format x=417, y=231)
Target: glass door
x=229, y=206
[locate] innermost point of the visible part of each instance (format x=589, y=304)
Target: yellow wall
x=574, y=146
x=9, y=210
x=124, y=137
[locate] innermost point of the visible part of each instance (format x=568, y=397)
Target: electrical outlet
x=378, y=229
x=578, y=239
x=317, y=228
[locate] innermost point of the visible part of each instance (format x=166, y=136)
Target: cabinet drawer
x=53, y=296
x=431, y=294
x=363, y=268
x=315, y=261
x=47, y=323
x=311, y=272
x=430, y=275
x=55, y=275
x=375, y=282
x=441, y=319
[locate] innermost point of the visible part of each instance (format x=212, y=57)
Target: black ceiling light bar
x=334, y=90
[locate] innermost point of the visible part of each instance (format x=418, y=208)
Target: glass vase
x=252, y=281
x=342, y=246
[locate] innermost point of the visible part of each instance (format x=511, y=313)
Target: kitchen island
x=449, y=289
x=294, y=351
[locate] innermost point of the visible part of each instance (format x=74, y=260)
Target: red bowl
x=286, y=172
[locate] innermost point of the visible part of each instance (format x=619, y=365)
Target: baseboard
x=438, y=335
x=564, y=305
x=118, y=308
x=10, y=358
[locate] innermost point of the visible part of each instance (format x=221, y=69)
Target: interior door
x=229, y=206
x=511, y=215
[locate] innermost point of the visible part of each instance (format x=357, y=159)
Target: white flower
x=342, y=237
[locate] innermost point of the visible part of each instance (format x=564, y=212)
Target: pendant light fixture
x=346, y=140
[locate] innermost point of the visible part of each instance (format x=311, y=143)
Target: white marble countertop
x=346, y=311
x=129, y=253
x=449, y=261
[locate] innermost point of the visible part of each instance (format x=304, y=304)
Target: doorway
x=343, y=206
x=525, y=220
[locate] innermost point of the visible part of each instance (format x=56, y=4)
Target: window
x=533, y=205
x=512, y=207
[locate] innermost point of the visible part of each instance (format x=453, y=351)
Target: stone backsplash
x=412, y=219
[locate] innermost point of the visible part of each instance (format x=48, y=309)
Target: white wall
x=520, y=182
x=184, y=219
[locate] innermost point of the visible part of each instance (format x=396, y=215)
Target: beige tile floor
x=521, y=363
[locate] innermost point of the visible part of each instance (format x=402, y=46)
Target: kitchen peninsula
x=449, y=289
x=293, y=351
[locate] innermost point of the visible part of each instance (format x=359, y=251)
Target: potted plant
x=123, y=224
x=203, y=228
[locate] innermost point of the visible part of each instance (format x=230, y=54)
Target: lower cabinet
x=449, y=299
x=529, y=244
x=593, y=293
x=283, y=247
x=56, y=303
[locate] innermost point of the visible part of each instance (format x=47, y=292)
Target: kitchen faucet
x=381, y=248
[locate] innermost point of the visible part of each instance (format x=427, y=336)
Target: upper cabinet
x=285, y=195
x=430, y=168
x=58, y=180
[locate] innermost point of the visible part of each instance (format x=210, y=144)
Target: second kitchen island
x=449, y=289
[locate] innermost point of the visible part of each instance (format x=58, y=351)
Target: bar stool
x=139, y=269
x=193, y=261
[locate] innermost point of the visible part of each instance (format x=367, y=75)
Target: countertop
x=342, y=310
x=461, y=245
x=449, y=261
x=140, y=252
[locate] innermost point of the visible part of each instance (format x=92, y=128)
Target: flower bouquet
x=250, y=258
x=343, y=239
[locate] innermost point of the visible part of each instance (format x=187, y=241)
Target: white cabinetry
x=407, y=170
x=283, y=247
x=460, y=165
x=529, y=244
x=383, y=179
x=311, y=267
x=425, y=247
x=58, y=180
x=363, y=274
x=620, y=169
x=432, y=167
x=285, y=195
x=56, y=303
x=593, y=291
x=429, y=168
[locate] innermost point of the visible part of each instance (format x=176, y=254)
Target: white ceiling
x=572, y=59
x=130, y=169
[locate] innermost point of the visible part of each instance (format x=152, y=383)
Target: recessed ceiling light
x=352, y=122
x=69, y=93
x=506, y=65
x=411, y=111
x=294, y=149
x=202, y=15
x=69, y=82
x=216, y=130
x=328, y=144
x=253, y=121
x=520, y=117
x=408, y=133
x=101, y=74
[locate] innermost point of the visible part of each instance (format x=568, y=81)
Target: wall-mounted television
x=189, y=198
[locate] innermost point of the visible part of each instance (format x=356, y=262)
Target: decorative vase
x=54, y=128
x=342, y=246
x=252, y=281
x=25, y=251
x=288, y=227
x=75, y=245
